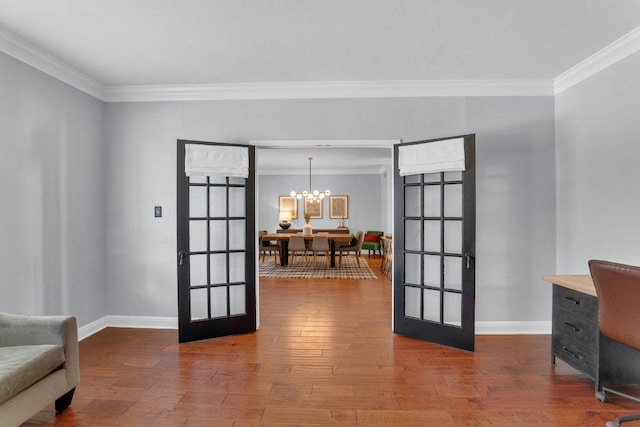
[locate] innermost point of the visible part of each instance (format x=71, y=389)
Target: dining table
x=335, y=241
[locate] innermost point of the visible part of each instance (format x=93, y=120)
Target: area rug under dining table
x=301, y=270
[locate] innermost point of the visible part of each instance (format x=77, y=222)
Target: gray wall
x=366, y=203
x=515, y=187
x=51, y=175
x=81, y=178
x=598, y=178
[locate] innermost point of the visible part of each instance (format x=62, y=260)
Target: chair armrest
x=16, y=329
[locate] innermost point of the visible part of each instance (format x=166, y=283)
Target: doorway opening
x=362, y=170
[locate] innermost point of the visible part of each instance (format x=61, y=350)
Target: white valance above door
x=216, y=160
x=439, y=156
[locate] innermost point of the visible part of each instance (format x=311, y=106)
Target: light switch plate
x=157, y=212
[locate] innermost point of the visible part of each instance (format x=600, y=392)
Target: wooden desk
x=576, y=338
x=335, y=240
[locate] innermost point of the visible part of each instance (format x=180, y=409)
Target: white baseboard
x=92, y=328
x=142, y=322
x=149, y=322
x=514, y=328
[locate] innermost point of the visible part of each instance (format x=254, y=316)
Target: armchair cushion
x=24, y=365
x=372, y=238
x=39, y=365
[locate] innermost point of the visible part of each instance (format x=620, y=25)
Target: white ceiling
x=174, y=42
x=131, y=45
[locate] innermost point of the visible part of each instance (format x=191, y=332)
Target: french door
x=434, y=245
x=215, y=251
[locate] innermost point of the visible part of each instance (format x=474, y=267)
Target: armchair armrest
x=16, y=329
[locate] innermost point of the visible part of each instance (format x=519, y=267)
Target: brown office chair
x=618, y=290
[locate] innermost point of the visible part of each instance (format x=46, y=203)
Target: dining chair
x=352, y=247
x=320, y=244
x=297, y=244
x=618, y=290
x=265, y=246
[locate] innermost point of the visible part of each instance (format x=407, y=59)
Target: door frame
x=329, y=144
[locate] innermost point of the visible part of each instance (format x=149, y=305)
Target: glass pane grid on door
x=217, y=247
x=433, y=232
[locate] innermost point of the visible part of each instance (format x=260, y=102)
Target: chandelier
x=311, y=196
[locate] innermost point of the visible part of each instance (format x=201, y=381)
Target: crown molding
x=316, y=90
x=25, y=52
x=604, y=58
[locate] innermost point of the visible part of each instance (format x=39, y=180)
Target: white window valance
x=216, y=160
x=439, y=156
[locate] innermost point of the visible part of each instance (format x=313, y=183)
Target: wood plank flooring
x=325, y=355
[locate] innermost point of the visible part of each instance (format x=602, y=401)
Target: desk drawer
x=574, y=328
x=574, y=318
x=577, y=303
x=576, y=355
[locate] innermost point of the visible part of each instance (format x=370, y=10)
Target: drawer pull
x=575, y=328
x=575, y=301
x=575, y=356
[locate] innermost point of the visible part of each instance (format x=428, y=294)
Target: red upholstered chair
x=372, y=242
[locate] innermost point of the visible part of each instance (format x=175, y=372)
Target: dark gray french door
x=216, y=251
x=434, y=245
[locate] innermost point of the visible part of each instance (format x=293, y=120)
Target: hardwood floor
x=325, y=355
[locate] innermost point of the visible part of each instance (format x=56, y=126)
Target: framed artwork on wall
x=288, y=203
x=314, y=209
x=338, y=207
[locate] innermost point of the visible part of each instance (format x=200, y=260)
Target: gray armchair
x=39, y=365
x=356, y=247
